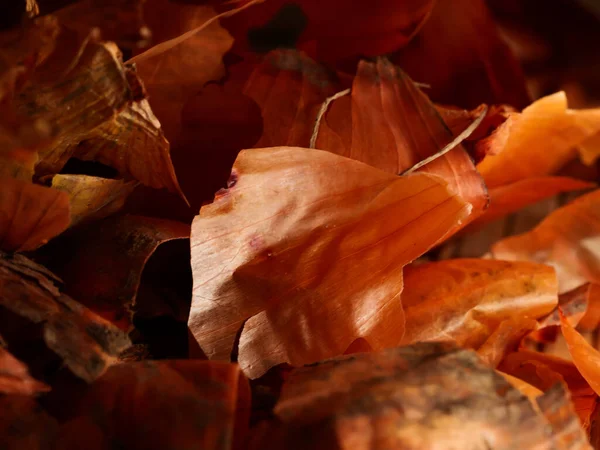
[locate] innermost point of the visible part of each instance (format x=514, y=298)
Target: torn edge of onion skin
x=321, y=113
x=456, y=141
x=32, y=8
x=168, y=45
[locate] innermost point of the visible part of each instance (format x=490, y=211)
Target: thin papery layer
x=460, y=54
x=289, y=89
x=589, y=149
x=585, y=357
x=266, y=101
x=413, y=397
x=559, y=410
x=285, y=246
x=544, y=371
x=15, y=378
x=177, y=68
x=537, y=142
x=176, y=72
x=388, y=123
x=92, y=198
x=163, y=404
x=572, y=305
x=528, y=390
x=567, y=239
x=458, y=120
x=134, y=144
x=60, y=92
x=96, y=109
x=512, y=197
x=591, y=319
x=86, y=343
x=507, y=198
x=474, y=303
x=505, y=338
x=108, y=282
x=30, y=215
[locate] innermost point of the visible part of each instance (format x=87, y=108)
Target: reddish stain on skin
x=231, y=182
x=257, y=242
x=221, y=193
x=233, y=179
